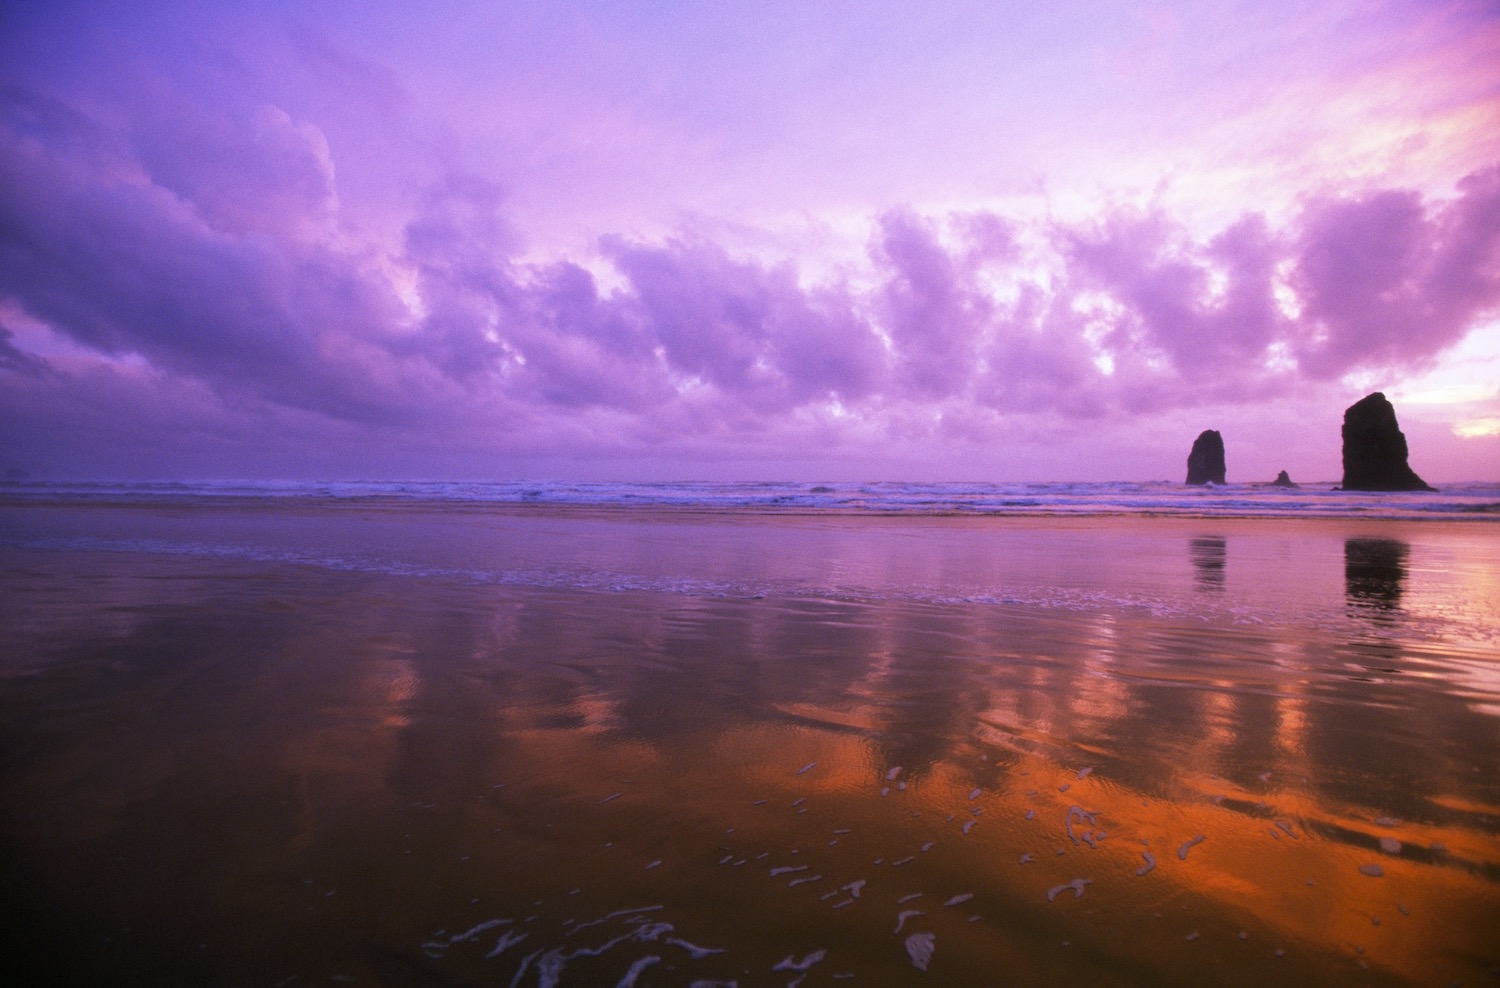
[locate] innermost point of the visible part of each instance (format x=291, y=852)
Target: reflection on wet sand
x=1208, y=556
x=325, y=775
x=1374, y=572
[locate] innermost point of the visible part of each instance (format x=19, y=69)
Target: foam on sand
x=920, y=947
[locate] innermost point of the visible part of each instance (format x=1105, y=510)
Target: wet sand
x=312, y=747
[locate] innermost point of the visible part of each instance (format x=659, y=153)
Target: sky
x=816, y=240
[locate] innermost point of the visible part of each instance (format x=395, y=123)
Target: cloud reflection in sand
x=427, y=753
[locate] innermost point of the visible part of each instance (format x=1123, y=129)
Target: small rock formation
x=1206, y=461
x=1282, y=480
x=1375, y=449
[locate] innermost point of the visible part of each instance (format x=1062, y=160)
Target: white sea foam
x=1076, y=885
x=521, y=971
x=905, y=915
x=805, y=964
x=507, y=940
x=635, y=970
x=634, y=911
x=474, y=931
x=1310, y=500
x=698, y=952
x=1149, y=865
x=1182, y=852
x=919, y=947
x=959, y=899
x=1079, y=814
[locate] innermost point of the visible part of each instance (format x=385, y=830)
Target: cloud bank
x=191, y=269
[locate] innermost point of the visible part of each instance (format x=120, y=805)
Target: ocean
x=1318, y=500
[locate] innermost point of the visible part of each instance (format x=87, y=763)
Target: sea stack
x=1206, y=461
x=1282, y=480
x=1375, y=449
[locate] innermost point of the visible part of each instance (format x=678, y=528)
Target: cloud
x=751, y=332
x=13, y=358
x=932, y=311
x=1388, y=280
x=94, y=247
x=248, y=170
x=201, y=250
x=1207, y=310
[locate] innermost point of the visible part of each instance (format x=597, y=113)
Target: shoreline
x=1476, y=515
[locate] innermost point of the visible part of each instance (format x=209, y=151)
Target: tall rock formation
x=1206, y=461
x=1375, y=449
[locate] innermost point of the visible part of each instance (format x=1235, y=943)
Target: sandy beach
x=302, y=745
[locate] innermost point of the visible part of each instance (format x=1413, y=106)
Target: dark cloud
x=99, y=252
x=249, y=170
x=12, y=358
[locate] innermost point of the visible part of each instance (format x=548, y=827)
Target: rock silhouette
x=1375, y=449
x=1282, y=480
x=1206, y=460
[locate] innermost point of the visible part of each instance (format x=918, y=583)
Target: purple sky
x=812, y=240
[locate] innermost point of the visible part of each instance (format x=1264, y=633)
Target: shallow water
x=307, y=746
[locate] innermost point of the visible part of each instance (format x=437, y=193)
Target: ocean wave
x=1468, y=501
